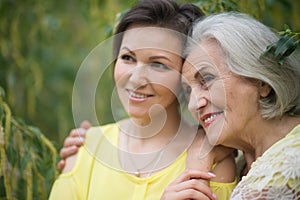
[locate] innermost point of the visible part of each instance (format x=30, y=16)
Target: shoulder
x=280, y=164
x=94, y=134
x=288, y=148
x=282, y=156
x=93, y=137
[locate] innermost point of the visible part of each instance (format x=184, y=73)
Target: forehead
x=207, y=54
x=138, y=37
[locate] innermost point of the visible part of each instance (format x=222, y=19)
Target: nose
x=138, y=76
x=198, y=100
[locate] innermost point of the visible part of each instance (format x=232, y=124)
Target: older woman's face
x=222, y=102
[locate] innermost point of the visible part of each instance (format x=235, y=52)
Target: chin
x=214, y=137
x=137, y=115
x=215, y=132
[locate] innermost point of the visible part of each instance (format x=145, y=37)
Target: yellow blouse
x=97, y=174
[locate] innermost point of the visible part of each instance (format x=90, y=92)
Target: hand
x=72, y=143
x=191, y=184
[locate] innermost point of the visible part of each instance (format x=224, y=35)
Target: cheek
x=117, y=71
x=217, y=96
x=243, y=98
x=241, y=107
x=120, y=72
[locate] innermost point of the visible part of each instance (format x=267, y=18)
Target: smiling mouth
x=136, y=95
x=209, y=118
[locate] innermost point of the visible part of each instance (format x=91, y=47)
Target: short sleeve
x=64, y=188
x=74, y=184
x=223, y=190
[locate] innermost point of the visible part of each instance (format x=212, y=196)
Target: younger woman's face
x=147, y=70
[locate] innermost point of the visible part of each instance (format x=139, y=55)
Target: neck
x=153, y=134
x=262, y=134
x=147, y=145
x=160, y=123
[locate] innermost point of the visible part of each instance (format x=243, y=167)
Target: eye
x=127, y=58
x=205, y=80
x=159, y=65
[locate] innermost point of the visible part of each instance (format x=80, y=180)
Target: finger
x=61, y=164
x=78, y=132
x=195, y=180
x=190, y=173
x=198, y=186
x=201, y=188
x=73, y=141
x=85, y=124
x=191, y=189
x=193, y=194
x=68, y=151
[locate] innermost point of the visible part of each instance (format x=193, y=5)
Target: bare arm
x=225, y=171
x=202, y=155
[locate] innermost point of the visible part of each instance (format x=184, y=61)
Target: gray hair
x=243, y=40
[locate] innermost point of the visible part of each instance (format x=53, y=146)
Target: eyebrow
x=151, y=58
x=127, y=49
x=159, y=57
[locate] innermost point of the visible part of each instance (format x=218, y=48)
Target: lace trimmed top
x=276, y=174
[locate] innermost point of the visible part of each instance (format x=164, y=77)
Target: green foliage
x=42, y=45
x=27, y=159
x=273, y=13
x=285, y=46
x=219, y=6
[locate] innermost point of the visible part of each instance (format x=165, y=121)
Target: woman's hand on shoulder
x=71, y=146
x=191, y=184
x=70, y=163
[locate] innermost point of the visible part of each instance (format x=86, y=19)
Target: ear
x=264, y=89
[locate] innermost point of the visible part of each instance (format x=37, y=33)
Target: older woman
x=245, y=99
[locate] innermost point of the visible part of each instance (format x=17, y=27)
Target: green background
x=42, y=45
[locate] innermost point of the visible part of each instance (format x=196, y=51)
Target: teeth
x=210, y=118
x=135, y=95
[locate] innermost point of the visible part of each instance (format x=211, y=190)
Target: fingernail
x=74, y=147
x=81, y=131
x=215, y=196
x=80, y=139
x=211, y=174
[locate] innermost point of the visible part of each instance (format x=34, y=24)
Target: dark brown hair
x=160, y=13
